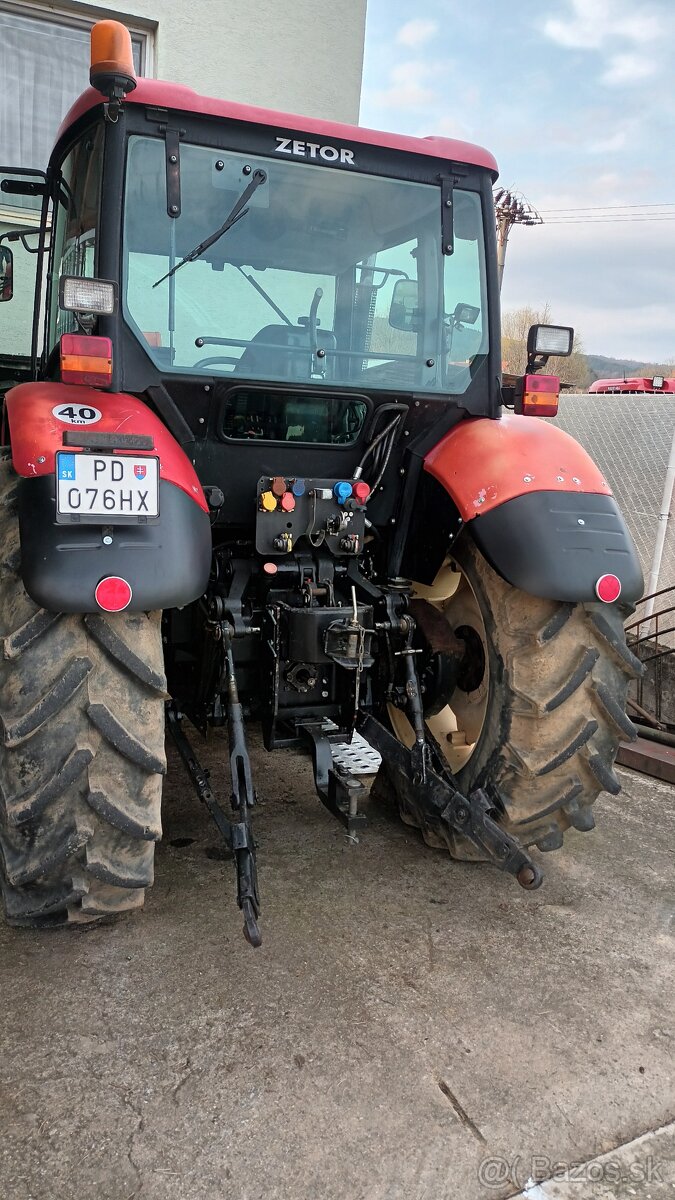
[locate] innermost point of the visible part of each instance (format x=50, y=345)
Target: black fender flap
x=558, y=544
x=167, y=563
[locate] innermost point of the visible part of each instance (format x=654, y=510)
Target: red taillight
x=113, y=594
x=608, y=589
x=86, y=360
x=540, y=396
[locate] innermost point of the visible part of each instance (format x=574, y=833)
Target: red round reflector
x=113, y=594
x=608, y=588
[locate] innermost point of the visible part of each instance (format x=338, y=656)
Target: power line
x=604, y=220
x=607, y=207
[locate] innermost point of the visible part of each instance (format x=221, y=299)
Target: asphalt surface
x=411, y=1028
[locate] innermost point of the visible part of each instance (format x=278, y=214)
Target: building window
x=44, y=66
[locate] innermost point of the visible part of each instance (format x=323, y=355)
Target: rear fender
x=165, y=561
x=537, y=506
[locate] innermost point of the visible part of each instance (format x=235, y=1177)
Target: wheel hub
x=471, y=668
x=453, y=667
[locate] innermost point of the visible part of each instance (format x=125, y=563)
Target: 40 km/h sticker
x=76, y=414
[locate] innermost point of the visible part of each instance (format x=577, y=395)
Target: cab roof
x=158, y=94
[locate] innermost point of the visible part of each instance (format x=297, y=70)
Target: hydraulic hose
x=399, y=409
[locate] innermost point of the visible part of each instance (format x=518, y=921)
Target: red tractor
x=262, y=466
x=656, y=385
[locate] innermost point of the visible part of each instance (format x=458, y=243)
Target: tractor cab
x=299, y=269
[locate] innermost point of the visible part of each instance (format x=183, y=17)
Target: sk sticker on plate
x=76, y=414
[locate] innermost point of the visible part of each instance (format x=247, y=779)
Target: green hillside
x=601, y=367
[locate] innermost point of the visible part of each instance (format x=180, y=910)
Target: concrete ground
x=411, y=1028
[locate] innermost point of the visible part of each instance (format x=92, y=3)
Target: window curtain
x=44, y=65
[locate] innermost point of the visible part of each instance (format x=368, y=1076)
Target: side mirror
x=403, y=311
x=6, y=273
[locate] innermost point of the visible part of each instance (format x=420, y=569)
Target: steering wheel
x=220, y=358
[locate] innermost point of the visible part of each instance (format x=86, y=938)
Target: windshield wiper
x=236, y=213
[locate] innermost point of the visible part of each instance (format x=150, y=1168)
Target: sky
x=576, y=100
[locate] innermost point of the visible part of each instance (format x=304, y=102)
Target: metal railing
x=651, y=637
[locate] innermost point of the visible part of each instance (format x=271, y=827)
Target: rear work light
x=540, y=396
x=87, y=295
x=113, y=594
x=86, y=360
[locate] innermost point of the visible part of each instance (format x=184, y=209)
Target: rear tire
x=81, y=751
x=551, y=703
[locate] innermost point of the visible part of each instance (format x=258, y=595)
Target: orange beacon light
x=112, y=62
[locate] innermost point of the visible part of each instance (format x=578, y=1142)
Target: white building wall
x=302, y=56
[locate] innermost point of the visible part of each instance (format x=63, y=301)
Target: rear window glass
x=256, y=414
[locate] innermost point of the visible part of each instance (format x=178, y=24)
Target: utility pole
x=511, y=209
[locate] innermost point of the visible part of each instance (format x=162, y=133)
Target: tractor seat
x=273, y=352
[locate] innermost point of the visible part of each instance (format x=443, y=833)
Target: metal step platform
x=357, y=758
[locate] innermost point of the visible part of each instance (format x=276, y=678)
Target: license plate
x=105, y=488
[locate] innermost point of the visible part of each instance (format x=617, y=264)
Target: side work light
x=87, y=295
x=550, y=339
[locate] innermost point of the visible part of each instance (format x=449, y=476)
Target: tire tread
x=80, y=793
x=560, y=676
x=123, y=741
